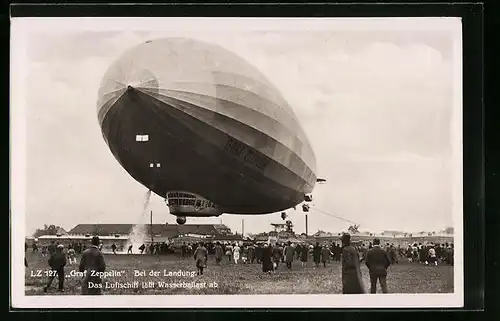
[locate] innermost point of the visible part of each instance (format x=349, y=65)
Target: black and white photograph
x=236, y=162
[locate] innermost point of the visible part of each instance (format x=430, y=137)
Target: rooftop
x=162, y=230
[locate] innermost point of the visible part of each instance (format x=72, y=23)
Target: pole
x=151, y=226
x=307, y=235
x=242, y=226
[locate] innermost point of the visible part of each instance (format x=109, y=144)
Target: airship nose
x=130, y=88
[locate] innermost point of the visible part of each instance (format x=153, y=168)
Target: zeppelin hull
x=215, y=127
x=196, y=157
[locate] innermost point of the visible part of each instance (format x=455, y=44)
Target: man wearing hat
x=289, y=252
x=92, y=261
x=352, y=282
x=219, y=253
x=200, y=256
x=377, y=261
x=57, y=261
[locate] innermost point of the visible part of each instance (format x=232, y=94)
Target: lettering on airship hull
x=250, y=156
x=234, y=147
x=257, y=159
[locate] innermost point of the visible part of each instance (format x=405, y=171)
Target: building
x=402, y=239
x=233, y=238
x=121, y=234
x=153, y=230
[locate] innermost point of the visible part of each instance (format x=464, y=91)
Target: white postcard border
x=20, y=27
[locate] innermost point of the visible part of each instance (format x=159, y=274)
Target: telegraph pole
x=242, y=226
x=151, y=226
x=307, y=235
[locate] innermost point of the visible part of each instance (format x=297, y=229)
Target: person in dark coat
x=259, y=250
x=298, y=250
x=289, y=252
x=200, y=256
x=277, y=254
x=219, y=253
x=251, y=253
x=304, y=254
x=450, y=255
x=325, y=255
x=267, y=255
x=393, y=255
x=422, y=253
x=377, y=261
x=352, y=282
x=52, y=248
x=92, y=261
x=317, y=254
x=339, y=252
x=57, y=262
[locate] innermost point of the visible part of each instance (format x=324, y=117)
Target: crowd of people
x=249, y=253
x=430, y=253
x=47, y=249
x=427, y=253
x=270, y=256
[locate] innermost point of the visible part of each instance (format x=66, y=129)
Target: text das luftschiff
x=152, y=284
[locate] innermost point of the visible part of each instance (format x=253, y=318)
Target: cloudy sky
x=377, y=106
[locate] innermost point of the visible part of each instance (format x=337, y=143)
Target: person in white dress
x=236, y=253
x=71, y=255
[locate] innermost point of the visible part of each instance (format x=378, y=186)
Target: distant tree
x=47, y=230
x=225, y=231
x=353, y=229
x=449, y=230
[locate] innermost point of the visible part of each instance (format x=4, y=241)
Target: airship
x=202, y=128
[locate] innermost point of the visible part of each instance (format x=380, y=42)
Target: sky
x=376, y=105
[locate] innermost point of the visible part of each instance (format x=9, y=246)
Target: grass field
x=404, y=277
